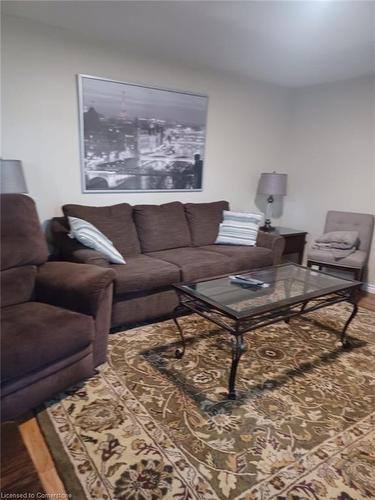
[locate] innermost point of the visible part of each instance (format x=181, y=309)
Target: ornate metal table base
x=344, y=339
x=241, y=326
x=238, y=349
x=179, y=352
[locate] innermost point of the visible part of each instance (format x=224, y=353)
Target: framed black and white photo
x=138, y=138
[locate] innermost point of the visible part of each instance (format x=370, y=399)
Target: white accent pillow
x=90, y=236
x=239, y=228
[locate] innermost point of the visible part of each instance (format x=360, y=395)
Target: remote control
x=246, y=284
x=250, y=281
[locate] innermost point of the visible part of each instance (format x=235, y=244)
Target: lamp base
x=267, y=226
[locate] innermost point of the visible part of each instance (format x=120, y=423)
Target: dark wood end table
x=295, y=241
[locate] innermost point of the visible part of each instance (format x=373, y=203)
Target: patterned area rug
x=148, y=426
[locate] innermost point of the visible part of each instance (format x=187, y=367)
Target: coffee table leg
x=238, y=349
x=345, y=341
x=179, y=352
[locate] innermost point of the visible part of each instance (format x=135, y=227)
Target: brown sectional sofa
x=162, y=245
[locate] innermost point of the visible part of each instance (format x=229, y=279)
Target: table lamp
x=272, y=185
x=12, y=177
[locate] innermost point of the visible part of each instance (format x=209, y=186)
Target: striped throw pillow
x=91, y=237
x=239, y=228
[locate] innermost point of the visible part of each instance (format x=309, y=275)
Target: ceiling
x=291, y=43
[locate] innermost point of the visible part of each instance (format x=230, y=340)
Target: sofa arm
x=82, y=288
x=274, y=242
x=78, y=287
x=70, y=249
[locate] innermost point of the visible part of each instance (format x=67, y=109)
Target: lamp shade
x=272, y=184
x=12, y=178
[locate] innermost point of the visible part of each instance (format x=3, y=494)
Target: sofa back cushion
x=17, y=285
x=22, y=239
x=161, y=227
x=115, y=221
x=204, y=220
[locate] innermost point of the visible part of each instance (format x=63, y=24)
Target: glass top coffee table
x=290, y=290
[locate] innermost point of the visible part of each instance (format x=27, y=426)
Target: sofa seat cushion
x=355, y=260
x=204, y=220
x=244, y=257
x=114, y=221
x=196, y=263
x=141, y=273
x=35, y=335
x=161, y=227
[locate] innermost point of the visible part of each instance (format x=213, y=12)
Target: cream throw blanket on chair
x=339, y=244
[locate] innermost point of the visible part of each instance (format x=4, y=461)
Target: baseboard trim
x=369, y=287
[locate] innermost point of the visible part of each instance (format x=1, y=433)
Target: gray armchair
x=346, y=221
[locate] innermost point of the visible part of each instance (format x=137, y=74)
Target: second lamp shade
x=272, y=184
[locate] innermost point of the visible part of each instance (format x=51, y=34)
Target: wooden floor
x=368, y=301
x=18, y=473
x=26, y=464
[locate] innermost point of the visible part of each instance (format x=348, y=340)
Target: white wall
x=331, y=154
x=322, y=136
x=40, y=118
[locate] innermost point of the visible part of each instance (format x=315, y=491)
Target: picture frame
x=139, y=138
